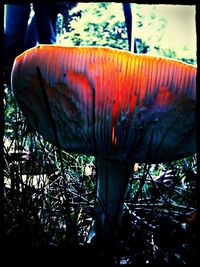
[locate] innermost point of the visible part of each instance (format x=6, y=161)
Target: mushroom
x=118, y=106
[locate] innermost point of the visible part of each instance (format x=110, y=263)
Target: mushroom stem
x=111, y=192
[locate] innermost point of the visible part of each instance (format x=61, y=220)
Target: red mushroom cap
x=109, y=102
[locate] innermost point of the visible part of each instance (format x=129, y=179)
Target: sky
x=180, y=29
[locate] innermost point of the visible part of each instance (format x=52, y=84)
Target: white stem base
x=112, y=186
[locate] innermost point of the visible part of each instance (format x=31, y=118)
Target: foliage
x=103, y=28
